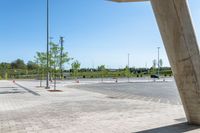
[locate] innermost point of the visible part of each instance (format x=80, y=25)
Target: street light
x=128, y=66
x=47, y=78
x=128, y=59
x=158, y=61
x=61, y=56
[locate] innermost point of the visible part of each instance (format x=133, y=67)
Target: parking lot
x=162, y=92
x=92, y=106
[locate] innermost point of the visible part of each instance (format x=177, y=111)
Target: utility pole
x=47, y=78
x=61, y=56
x=158, y=61
x=128, y=66
x=128, y=59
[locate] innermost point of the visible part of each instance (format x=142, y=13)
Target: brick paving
x=80, y=111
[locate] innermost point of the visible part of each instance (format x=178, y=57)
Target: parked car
x=155, y=76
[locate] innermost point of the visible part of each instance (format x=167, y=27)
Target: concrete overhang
x=128, y=0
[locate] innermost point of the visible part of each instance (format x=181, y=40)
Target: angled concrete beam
x=128, y=0
x=176, y=28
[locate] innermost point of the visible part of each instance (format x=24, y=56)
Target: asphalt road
x=163, y=92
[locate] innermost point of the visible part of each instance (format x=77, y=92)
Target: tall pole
x=128, y=60
x=47, y=78
x=158, y=61
x=128, y=66
x=61, y=55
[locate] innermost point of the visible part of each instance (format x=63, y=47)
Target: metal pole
x=47, y=78
x=61, y=55
x=128, y=59
x=128, y=65
x=54, y=76
x=158, y=61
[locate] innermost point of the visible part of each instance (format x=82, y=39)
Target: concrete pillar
x=176, y=28
x=174, y=21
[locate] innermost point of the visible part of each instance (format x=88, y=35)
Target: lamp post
x=128, y=67
x=47, y=78
x=128, y=60
x=61, y=56
x=158, y=61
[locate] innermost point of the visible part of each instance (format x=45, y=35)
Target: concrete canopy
x=128, y=0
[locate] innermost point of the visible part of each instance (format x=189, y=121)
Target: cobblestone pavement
x=26, y=108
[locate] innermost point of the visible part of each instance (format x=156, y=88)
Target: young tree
x=127, y=72
x=55, y=55
x=63, y=59
x=75, y=68
x=102, y=69
x=40, y=59
x=57, y=60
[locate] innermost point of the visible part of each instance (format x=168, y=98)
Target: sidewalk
x=77, y=111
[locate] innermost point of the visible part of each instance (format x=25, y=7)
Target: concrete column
x=174, y=21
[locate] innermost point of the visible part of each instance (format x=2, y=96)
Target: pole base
x=47, y=87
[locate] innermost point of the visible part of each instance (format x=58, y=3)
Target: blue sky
x=96, y=31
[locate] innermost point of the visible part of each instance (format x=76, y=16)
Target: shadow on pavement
x=8, y=87
x=30, y=91
x=177, y=128
x=9, y=92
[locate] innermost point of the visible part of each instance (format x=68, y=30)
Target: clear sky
x=96, y=31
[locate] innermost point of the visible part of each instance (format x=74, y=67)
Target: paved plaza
x=141, y=106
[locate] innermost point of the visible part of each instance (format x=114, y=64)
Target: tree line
x=37, y=68
x=58, y=58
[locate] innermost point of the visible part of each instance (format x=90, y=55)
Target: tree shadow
x=177, y=128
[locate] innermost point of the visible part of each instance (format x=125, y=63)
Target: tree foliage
x=18, y=64
x=4, y=68
x=32, y=65
x=55, y=58
x=54, y=55
x=102, y=69
x=127, y=72
x=75, y=67
x=40, y=59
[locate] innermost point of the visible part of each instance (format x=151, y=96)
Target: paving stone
x=79, y=111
